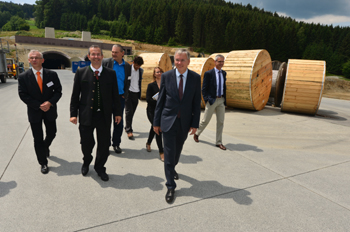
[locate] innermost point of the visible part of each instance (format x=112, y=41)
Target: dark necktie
x=98, y=92
x=181, y=84
x=219, y=90
x=181, y=89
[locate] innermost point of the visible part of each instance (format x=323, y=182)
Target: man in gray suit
x=123, y=71
x=177, y=113
x=214, y=95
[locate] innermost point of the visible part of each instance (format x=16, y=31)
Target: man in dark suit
x=40, y=89
x=123, y=71
x=214, y=95
x=134, y=94
x=177, y=113
x=94, y=98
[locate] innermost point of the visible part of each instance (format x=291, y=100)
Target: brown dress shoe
x=222, y=147
x=195, y=137
x=131, y=136
x=148, y=147
x=161, y=156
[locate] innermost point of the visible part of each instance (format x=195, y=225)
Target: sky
x=327, y=12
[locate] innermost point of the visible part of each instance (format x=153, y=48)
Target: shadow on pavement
x=267, y=111
x=329, y=115
x=242, y=147
x=154, y=154
x=129, y=181
x=204, y=189
x=66, y=168
x=5, y=187
x=235, y=147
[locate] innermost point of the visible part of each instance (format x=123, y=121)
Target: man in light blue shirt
x=123, y=71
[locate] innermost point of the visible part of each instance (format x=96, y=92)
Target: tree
x=94, y=25
x=52, y=14
x=181, y=27
x=198, y=28
x=149, y=33
x=346, y=69
x=16, y=24
x=335, y=63
x=159, y=35
x=4, y=17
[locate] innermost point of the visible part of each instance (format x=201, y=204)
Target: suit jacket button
x=91, y=107
x=92, y=99
x=94, y=82
x=93, y=91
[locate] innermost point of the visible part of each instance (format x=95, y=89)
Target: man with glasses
x=214, y=95
x=94, y=98
x=40, y=89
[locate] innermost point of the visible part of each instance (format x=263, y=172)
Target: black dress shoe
x=117, y=149
x=176, y=176
x=44, y=169
x=169, y=196
x=103, y=176
x=84, y=169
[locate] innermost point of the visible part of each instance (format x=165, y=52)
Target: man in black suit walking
x=123, y=71
x=214, y=94
x=177, y=113
x=94, y=98
x=134, y=94
x=40, y=89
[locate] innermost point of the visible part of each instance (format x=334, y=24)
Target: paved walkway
x=281, y=172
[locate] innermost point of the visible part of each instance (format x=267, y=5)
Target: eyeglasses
x=96, y=54
x=220, y=61
x=35, y=58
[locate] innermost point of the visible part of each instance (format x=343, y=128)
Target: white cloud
x=328, y=19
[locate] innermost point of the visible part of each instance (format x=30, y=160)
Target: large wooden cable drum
x=152, y=60
x=278, y=79
x=249, y=78
x=304, y=86
x=200, y=66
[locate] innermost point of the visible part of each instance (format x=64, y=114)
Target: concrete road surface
x=281, y=172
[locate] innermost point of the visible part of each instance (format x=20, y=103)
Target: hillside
x=337, y=88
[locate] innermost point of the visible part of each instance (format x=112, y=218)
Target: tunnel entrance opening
x=56, y=60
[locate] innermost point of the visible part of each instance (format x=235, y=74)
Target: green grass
x=344, y=78
x=31, y=23
x=341, y=77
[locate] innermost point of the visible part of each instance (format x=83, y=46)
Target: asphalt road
x=281, y=172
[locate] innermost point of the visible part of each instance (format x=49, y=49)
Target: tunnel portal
x=56, y=60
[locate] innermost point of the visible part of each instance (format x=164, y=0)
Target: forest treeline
x=206, y=25
x=10, y=9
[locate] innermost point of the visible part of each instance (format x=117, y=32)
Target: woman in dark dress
x=152, y=89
